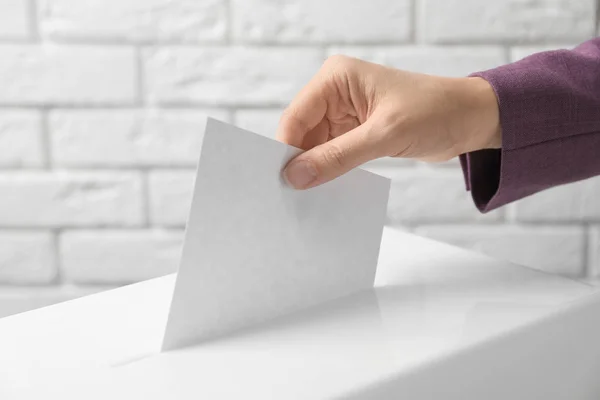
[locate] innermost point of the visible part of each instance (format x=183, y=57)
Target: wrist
x=484, y=130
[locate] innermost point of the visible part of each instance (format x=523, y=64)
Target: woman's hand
x=354, y=111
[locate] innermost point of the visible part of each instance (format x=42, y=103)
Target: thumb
x=333, y=158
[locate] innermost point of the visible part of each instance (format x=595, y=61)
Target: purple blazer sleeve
x=550, y=116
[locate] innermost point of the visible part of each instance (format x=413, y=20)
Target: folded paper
x=256, y=249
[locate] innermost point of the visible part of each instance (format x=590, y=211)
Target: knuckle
x=287, y=115
x=334, y=156
x=337, y=61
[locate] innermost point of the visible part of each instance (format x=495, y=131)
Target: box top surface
x=430, y=300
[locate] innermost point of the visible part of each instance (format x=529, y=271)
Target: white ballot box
x=440, y=323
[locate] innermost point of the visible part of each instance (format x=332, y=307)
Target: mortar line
x=34, y=20
x=507, y=53
x=95, y=169
x=585, y=249
x=588, y=258
x=172, y=105
x=228, y=23
x=414, y=22
x=140, y=79
x=58, y=279
x=46, y=139
x=145, y=192
x=162, y=227
x=597, y=27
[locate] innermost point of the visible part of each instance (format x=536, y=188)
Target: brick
x=228, y=75
x=455, y=21
x=430, y=195
x=27, y=257
x=63, y=199
x=519, y=52
x=557, y=250
x=128, y=137
x=574, y=202
x=115, y=257
x=263, y=122
x=134, y=20
x=15, y=300
x=170, y=196
x=14, y=21
x=321, y=22
x=434, y=60
x=21, y=139
x=50, y=74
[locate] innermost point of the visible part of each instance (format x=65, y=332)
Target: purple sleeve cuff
x=550, y=116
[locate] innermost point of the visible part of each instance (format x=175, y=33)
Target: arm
x=549, y=107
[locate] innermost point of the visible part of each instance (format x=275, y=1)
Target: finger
x=318, y=135
x=304, y=114
x=334, y=158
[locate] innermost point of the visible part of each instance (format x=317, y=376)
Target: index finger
x=304, y=113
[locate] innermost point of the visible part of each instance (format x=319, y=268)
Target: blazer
x=550, y=117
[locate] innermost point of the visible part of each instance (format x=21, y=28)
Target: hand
x=353, y=111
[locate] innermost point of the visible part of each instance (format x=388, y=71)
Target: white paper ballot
x=256, y=249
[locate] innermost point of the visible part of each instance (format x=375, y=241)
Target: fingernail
x=300, y=174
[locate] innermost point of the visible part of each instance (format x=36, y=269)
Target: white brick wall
x=70, y=199
x=437, y=60
x=301, y=21
x=27, y=257
x=14, y=19
x=235, y=75
x=554, y=249
x=51, y=74
x=103, y=103
x=127, y=138
x=21, y=141
x=519, y=52
x=505, y=21
x=170, y=194
x=577, y=202
x=116, y=257
x=430, y=196
x=262, y=121
x=134, y=20
x=594, y=252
